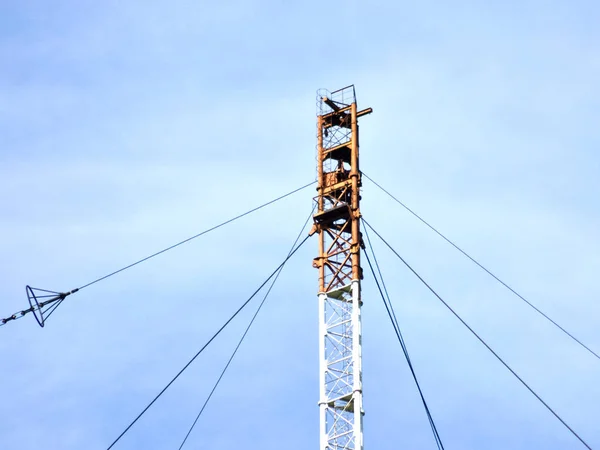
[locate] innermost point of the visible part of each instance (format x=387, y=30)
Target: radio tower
x=337, y=223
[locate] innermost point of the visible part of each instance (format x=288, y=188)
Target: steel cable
x=478, y=337
x=392, y=315
x=243, y=337
x=207, y=344
x=485, y=269
x=61, y=296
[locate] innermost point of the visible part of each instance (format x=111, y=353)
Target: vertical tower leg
x=357, y=363
x=340, y=274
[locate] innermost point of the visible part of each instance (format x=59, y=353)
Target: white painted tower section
x=341, y=411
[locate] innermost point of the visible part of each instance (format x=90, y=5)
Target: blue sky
x=127, y=127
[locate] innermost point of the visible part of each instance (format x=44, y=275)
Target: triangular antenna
x=39, y=298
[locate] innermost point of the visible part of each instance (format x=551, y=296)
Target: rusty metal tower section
x=337, y=222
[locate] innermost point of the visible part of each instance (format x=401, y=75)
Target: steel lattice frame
x=340, y=274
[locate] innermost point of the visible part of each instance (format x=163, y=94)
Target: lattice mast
x=340, y=273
